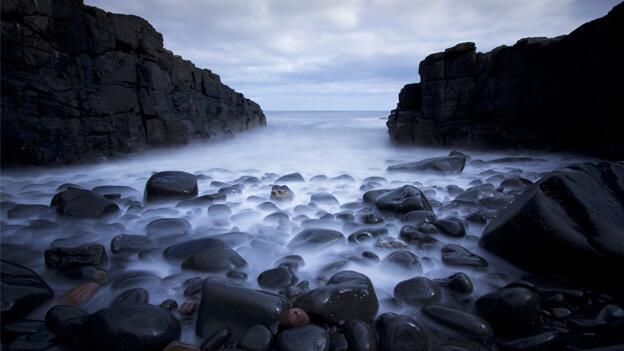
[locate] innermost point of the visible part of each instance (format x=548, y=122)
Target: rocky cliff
x=79, y=83
x=563, y=93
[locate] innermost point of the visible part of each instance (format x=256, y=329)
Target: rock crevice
x=79, y=83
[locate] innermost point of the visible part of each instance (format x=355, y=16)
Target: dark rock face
x=237, y=308
x=334, y=301
x=570, y=223
x=559, y=93
x=22, y=290
x=510, y=309
x=80, y=83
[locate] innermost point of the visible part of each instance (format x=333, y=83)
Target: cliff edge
x=562, y=93
x=80, y=83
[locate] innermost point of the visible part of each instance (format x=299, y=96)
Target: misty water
x=346, y=147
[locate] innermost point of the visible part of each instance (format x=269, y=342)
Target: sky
x=341, y=54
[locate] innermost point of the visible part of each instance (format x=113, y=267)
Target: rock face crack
x=557, y=94
x=102, y=84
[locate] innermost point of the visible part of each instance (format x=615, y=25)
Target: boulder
x=81, y=203
x=138, y=327
x=417, y=291
x=68, y=257
x=22, y=290
x=512, y=309
x=171, y=185
x=334, y=301
x=570, y=224
x=397, y=332
x=460, y=321
x=316, y=239
x=448, y=165
x=403, y=200
x=225, y=305
x=214, y=259
x=310, y=337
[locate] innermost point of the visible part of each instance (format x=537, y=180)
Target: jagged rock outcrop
x=556, y=94
x=80, y=83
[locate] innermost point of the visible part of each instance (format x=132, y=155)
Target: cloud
x=341, y=55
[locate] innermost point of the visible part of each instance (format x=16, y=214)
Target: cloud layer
x=341, y=55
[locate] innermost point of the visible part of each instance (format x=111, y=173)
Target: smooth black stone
x=402, y=200
x=58, y=318
x=293, y=262
x=307, y=338
x=481, y=216
x=22, y=290
x=171, y=185
x=138, y=327
x=216, y=340
x=219, y=211
x=451, y=226
x=398, y=332
x=360, y=336
x=458, y=282
x=337, y=342
x=417, y=291
x=276, y=278
x=224, y=304
x=404, y=260
x=82, y=203
x=510, y=309
x=68, y=257
x=282, y=193
x=169, y=305
x=412, y=235
x=372, y=218
x=127, y=243
x=24, y=211
x=234, y=239
x=334, y=301
x=257, y=338
x=135, y=296
x=215, y=259
x=324, y=198
x=459, y=320
x=568, y=224
x=596, y=317
x=203, y=200
x=186, y=249
x=236, y=189
x=446, y=165
x=167, y=227
x=362, y=235
x=455, y=255
x=40, y=340
x=372, y=195
x=316, y=239
x=290, y=178
x=541, y=339
x=13, y=329
x=418, y=216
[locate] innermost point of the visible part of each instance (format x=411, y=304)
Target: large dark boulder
x=225, y=305
x=335, y=301
x=137, y=327
x=21, y=290
x=79, y=83
x=402, y=200
x=570, y=224
x=82, y=203
x=437, y=165
x=171, y=185
x=561, y=93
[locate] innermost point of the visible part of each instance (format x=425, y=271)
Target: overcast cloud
x=341, y=54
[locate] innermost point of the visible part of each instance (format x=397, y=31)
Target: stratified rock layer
x=558, y=94
x=79, y=83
